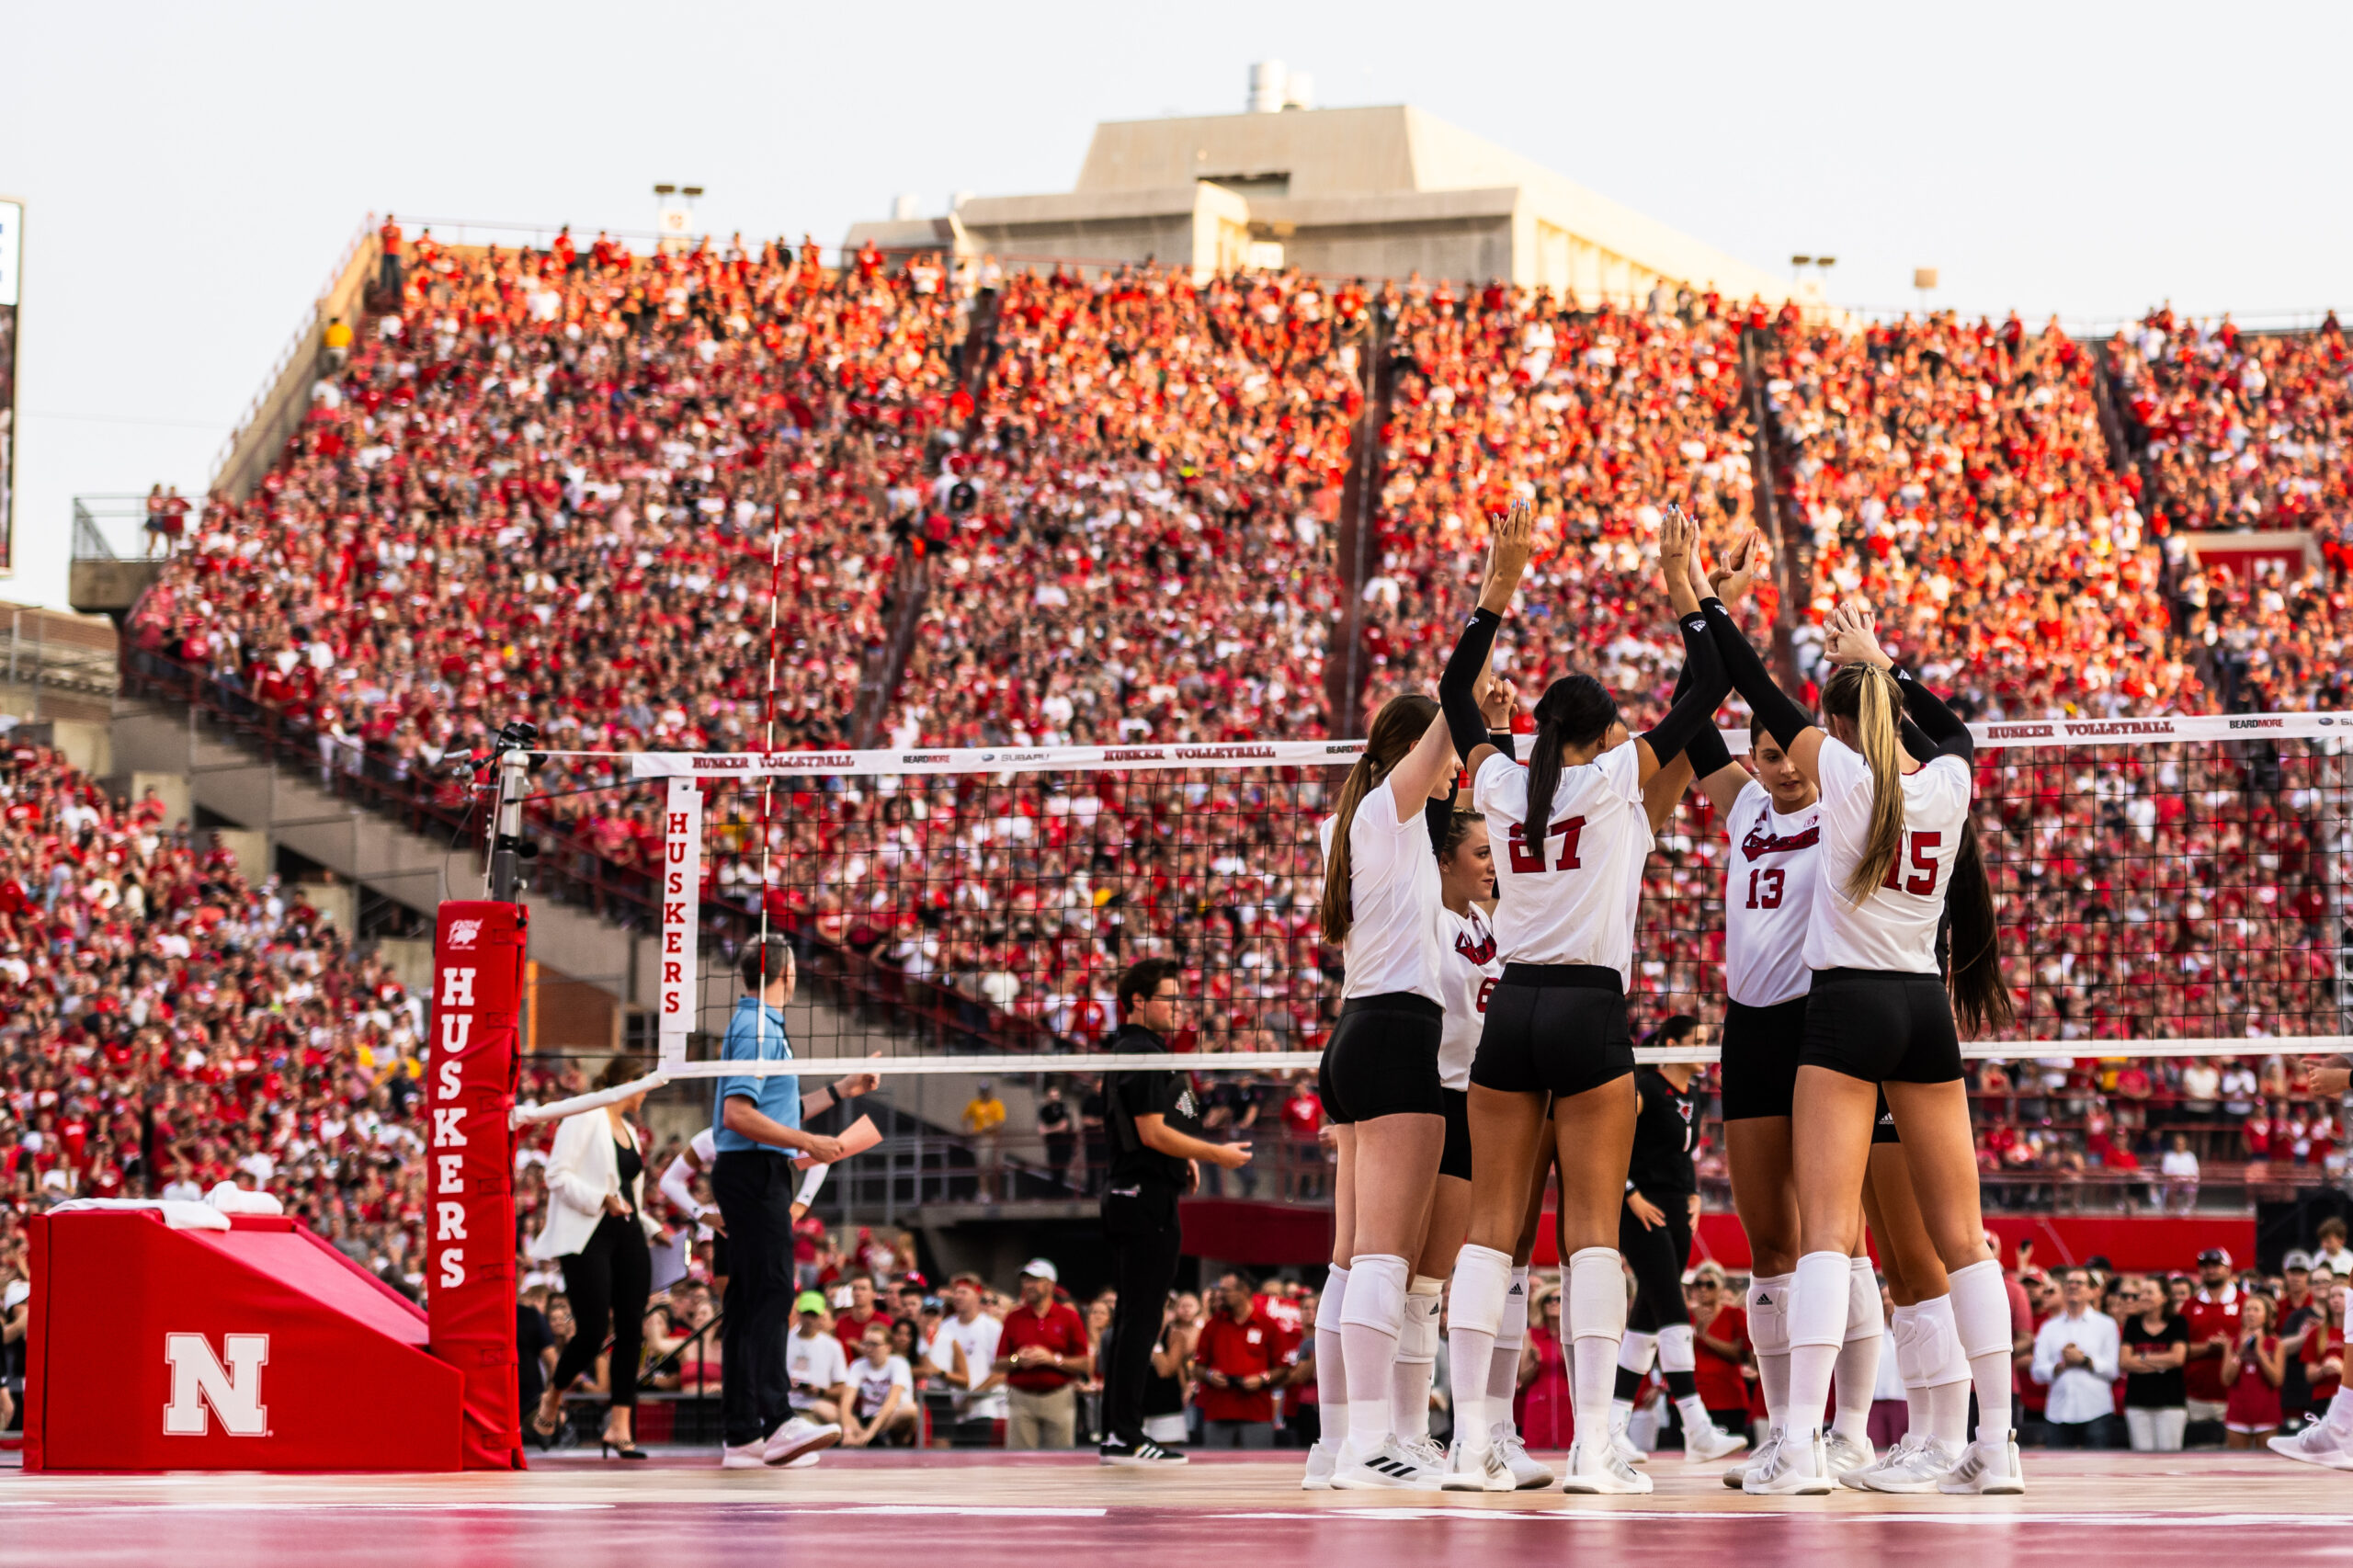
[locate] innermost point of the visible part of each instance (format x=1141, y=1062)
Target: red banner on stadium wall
x=478, y=949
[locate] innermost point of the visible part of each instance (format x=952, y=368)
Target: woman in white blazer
x=597, y=1228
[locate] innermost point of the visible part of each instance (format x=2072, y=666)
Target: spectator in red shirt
x=1719, y=1367
x=1237, y=1361
x=2212, y=1315
x=851, y=1324
x=1044, y=1353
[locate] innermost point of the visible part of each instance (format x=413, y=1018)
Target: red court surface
x=985, y=1509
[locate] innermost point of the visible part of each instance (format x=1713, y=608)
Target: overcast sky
x=192, y=171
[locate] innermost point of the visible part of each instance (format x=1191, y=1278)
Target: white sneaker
x=799, y=1436
x=1791, y=1464
x=2316, y=1444
x=1598, y=1469
x=1842, y=1454
x=806, y=1461
x=1987, y=1469
x=1388, y=1466
x=1619, y=1440
x=1424, y=1450
x=1710, y=1443
x=1320, y=1458
x=1734, y=1475
x=1483, y=1470
x=1526, y=1471
x=744, y=1456
x=1914, y=1465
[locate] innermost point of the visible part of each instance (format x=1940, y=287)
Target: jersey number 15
x=1528, y=856
x=1920, y=851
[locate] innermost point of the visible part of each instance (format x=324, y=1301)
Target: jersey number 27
x=1528, y=856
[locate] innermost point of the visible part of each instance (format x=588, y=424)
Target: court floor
x=1065, y=1511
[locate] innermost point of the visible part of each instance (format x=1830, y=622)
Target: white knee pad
x=1596, y=1294
x=1512, y=1331
x=1376, y=1292
x=1636, y=1350
x=1418, y=1335
x=1935, y=1342
x=1863, y=1317
x=1769, y=1313
x=1903, y=1330
x=1818, y=1303
x=1981, y=1309
x=1675, y=1352
x=1483, y=1284
x=1328, y=1305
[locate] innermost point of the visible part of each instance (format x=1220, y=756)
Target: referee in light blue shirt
x=756, y=1128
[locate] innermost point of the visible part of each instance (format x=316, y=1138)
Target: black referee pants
x=1140, y=1223
x=1657, y=1254
x=754, y=1192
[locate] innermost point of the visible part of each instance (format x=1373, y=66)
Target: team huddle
x=1484, y=1047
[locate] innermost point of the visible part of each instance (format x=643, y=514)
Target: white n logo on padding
x=199, y=1380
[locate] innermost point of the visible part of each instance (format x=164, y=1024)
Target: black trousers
x=606, y=1283
x=754, y=1192
x=1658, y=1257
x=1140, y=1223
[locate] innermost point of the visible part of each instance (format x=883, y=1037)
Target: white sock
x=1503, y=1367
x=1817, y=1327
x=1858, y=1354
x=1482, y=1311
x=1374, y=1313
x=1596, y=1322
x=1695, y=1415
x=2339, y=1418
x=1331, y=1369
x=1416, y=1357
x=1981, y=1313
x=1769, y=1334
x=1904, y=1335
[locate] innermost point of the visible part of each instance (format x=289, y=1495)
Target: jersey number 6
x=1921, y=851
x=1527, y=857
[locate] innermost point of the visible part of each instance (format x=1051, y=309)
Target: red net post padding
x=478, y=951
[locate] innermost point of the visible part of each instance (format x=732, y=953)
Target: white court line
x=2169, y=1521
x=946, y=1510
x=116, y=1505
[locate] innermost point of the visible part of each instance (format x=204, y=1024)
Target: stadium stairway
x=1354, y=540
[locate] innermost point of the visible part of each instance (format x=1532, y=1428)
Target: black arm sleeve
x=1708, y=752
x=1915, y=740
x=1504, y=742
x=1458, y=694
x=1696, y=709
x=1943, y=727
x=1783, y=718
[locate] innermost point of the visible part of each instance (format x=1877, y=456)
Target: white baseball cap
x=1039, y=1269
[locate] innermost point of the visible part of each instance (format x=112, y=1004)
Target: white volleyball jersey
x=1768, y=898
x=1569, y=888
x=1395, y=901
x=1471, y=970
x=1895, y=928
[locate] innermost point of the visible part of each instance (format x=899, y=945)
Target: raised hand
x=1510, y=544
x=1852, y=636
x=1731, y=583
x=1498, y=702
x=1676, y=537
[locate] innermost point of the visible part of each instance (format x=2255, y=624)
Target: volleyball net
x=2165, y=886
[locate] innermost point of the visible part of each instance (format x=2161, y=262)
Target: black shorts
x=1883, y=1122
x=1383, y=1059
x=1557, y=1028
x=1760, y=1058
x=1456, y=1161
x=1880, y=1025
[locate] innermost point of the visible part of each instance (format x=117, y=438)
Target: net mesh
x=2149, y=890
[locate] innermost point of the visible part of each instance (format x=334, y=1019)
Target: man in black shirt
x=1155, y=1129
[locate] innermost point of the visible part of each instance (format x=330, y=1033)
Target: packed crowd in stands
x=562, y=481
x=167, y=1026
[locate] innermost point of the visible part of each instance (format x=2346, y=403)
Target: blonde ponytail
x=1877, y=702
x=1396, y=730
